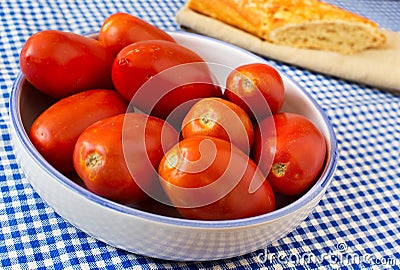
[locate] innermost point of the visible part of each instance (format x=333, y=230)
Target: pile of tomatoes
x=139, y=116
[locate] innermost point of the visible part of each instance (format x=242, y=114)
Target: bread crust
x=297, y=23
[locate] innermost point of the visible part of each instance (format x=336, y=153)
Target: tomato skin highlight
x=298, y=156
x=55, y=131
x=62, y=63
x=121, y=29
x=222, y=119
x=179, y=78
x=117, y=157
x=214, y=183
x=254, y=87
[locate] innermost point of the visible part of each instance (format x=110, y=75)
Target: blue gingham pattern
x=356, y=225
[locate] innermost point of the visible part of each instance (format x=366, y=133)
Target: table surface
x=357, y=219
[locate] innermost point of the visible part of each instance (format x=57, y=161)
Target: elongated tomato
x=222, y=119
x=208, y=178
x=62, y=63
x=56, y=130
x=257, y=88
x=121, y=29
x=291, y=151
x=162, y=78
x=117, y=157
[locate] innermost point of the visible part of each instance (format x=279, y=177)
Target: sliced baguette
x=296, y=23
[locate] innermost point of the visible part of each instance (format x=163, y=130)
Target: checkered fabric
x=356, y=225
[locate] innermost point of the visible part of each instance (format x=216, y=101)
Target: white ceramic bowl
x=164, y=236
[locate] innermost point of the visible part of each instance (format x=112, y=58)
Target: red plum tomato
x=297, y=150
x=170, y=77
x=55, y=131
x=62, y=63
x=222, y=119
x=117, y=157
x=208, y=178
x=255, y=87
x=121, y=29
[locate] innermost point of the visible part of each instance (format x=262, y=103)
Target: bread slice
x=297, y=23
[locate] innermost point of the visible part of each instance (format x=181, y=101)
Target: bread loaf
x=308, y=24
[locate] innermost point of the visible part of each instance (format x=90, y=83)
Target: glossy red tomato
x=117, y=157
x=222, y=119
x=56, y=130
x=255, y=87
x=60, y=63
x=121, y=29
x=175, y=78
x=208, y=178
x=291, y=151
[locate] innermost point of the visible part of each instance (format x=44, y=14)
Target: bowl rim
x=317, y=189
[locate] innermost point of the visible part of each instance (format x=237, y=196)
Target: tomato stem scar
x=93, y=160
x=247, y=85
x=279, y=169
x=207, y=119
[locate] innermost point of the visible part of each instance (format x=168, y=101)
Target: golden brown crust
x=269, y=19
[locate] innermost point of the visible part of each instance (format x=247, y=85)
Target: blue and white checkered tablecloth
x=356, y=225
